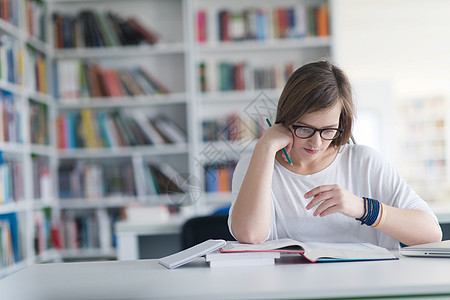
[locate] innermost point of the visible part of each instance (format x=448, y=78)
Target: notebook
x=438, y=249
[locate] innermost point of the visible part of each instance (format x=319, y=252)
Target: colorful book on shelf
x=146, y=33
x=149, y=130
x=201, y=26
x=322, y=20
x=11, y=240
x=89, y=129
x=168, y=129
x=81, y=230
x=315, y=251
x=164, y=183
x=91, y=28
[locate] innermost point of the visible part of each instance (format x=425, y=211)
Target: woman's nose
x=316, y=139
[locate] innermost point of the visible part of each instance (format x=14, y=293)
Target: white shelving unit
x=249, y=102
x=29, y=202
x=424, y=138
x=169, y=60
x=175, y=60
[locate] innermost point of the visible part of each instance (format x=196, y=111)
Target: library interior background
x=130, y=116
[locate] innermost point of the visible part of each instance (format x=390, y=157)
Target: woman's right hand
x=277, y=137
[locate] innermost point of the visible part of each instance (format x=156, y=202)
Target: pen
x=284, y=150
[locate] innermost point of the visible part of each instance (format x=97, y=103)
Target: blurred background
x=122, y=120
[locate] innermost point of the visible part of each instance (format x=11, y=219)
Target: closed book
x=242, y=262
x=322, y=20
x=231, y=256
x=201, y=26
x=148, y=129
x=169, y=130
x=161, y=88
x=146, y=33
x=180, y=258
x=89, y=133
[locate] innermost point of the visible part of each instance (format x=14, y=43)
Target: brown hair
x=314, y=87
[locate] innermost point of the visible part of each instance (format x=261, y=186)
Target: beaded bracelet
x=371, y=211
x=382, y=217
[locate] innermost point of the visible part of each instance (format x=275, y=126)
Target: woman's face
x=313, y=148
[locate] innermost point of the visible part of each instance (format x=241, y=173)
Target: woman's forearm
x=250, y=218
x=410, y=226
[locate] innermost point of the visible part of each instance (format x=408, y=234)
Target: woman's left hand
x=335, y=199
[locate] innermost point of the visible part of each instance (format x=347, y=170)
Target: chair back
x=200, y=229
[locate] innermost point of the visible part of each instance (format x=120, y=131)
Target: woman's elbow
x=436, y=235
x=432, y=235
x=248, y=237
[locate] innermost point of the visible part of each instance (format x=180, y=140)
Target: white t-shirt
x=359, y=169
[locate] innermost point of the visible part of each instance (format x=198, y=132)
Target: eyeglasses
x=305, y=132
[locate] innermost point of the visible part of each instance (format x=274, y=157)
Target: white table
x=289, y=278
x=128, y=233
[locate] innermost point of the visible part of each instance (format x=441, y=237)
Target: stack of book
x=220, y=253
x=219, y=259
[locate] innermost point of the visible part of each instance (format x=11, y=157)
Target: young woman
x=334, y=191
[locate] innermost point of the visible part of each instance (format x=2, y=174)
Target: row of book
x=35, y=14
x=111, y=129
x=10, y=118
x=262, y=24
x=95, y=180
x=11, y=246
x=233, y=128
x=161, y=178
x=11, y=180
x=9, y=11
x=218, y=177
x=11, y=53
x=42, y=182
x=243, y=76
x=83, y=79
x=36, y=79
x=89, y=229
x=15, y=59
x=46, y=231
x=39, y=133
x=90, y=28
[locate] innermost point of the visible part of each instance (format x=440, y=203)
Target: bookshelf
x=70, y=133
x=124, y=106
x=29, y=211
x=244, y=52
x=424, y=134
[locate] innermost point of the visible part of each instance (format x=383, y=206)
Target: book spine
x=201, y=26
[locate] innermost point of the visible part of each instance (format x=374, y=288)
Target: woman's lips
x=311, y=151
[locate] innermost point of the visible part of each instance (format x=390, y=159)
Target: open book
x=315, y=251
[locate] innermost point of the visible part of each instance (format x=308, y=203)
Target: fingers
x=320, y=193
x=320, y=189
x=325, y=198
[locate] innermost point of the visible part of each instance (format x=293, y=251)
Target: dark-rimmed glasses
x=305, y=132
